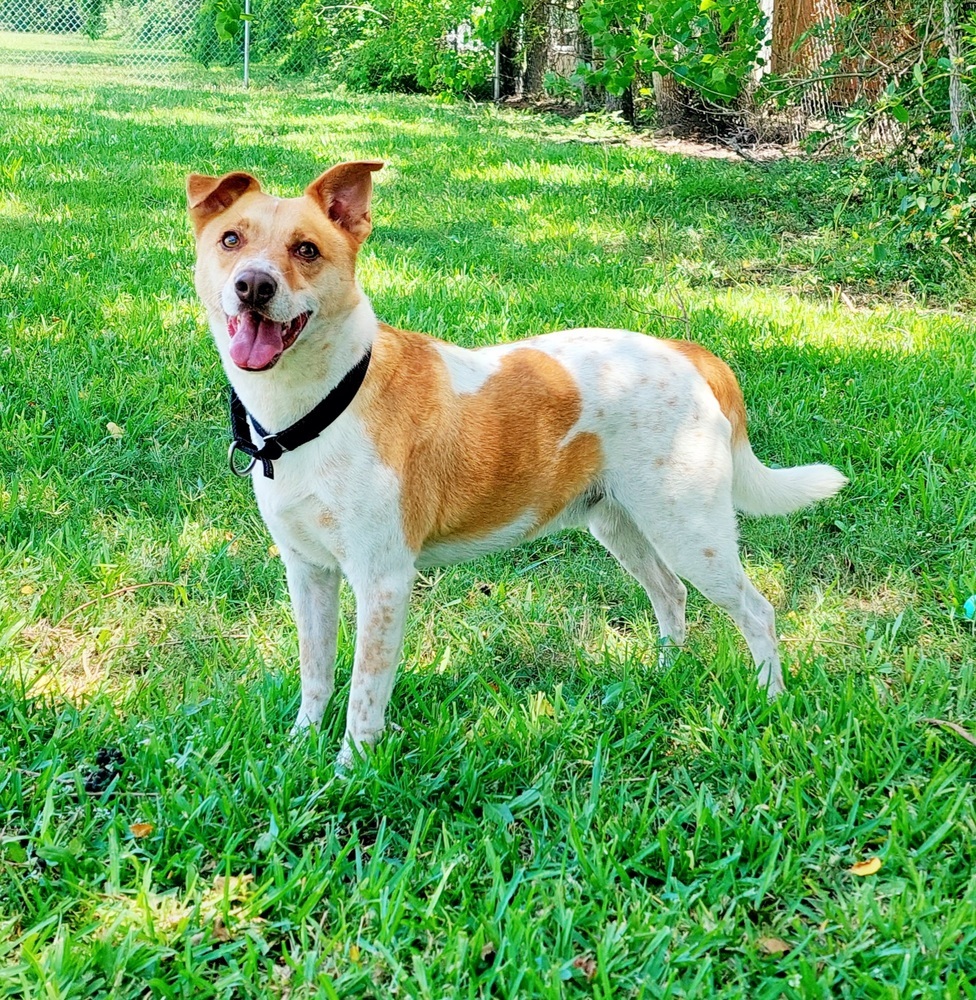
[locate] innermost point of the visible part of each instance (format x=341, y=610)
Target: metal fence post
x=247, y=41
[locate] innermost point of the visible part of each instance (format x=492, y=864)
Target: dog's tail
x=757, y=489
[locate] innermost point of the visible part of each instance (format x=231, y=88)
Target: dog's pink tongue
x=255, y=341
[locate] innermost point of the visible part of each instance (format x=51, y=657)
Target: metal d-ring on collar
x=236, y=469
x=301, y=432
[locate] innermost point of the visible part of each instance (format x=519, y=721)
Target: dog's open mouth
x=256, y=342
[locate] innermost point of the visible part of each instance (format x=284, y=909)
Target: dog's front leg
x=381, y=615
x=315, y=600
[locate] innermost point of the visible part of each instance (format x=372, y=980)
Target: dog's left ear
x=209, y=196
x=344, y=192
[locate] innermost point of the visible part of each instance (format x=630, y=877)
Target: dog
x=385, y=451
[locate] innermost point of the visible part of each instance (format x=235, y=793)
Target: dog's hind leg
x=698, y=542
x=382, y=603
x=314, y=594
x=613, y=527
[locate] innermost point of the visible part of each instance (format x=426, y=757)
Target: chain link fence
x=145, y=41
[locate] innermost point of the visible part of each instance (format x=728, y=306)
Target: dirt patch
x=598, y=128
x=702, y=150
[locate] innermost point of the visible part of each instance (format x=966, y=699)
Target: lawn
x=550, y=814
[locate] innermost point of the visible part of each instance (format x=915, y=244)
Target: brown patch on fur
x=721, y=380
x=708, y=553
x=470, y=464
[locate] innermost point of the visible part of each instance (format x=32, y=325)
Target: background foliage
x=391, y=44
x=709, y=46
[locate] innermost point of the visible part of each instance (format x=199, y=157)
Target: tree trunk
x=536, y=47
x=627, y=106
x=509, y=65
x=668, y=106
x=791, y=19
x=584, y=53
x=958, y=95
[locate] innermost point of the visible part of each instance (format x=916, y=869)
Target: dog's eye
x=230, y=240
x=307, y=251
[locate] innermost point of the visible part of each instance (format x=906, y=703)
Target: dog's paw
x=773, y=685
x=345, y=759
x=301, y=727
x=667, y=653
x=307, y=718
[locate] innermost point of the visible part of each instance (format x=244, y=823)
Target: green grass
x=551, y=815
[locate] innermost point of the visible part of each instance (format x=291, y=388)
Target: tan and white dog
x=445, y=454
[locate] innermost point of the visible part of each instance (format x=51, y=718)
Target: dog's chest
x=331, y=500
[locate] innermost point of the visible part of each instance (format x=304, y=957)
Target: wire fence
x=147, y=41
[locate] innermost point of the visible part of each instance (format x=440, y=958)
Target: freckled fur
x=445, y=454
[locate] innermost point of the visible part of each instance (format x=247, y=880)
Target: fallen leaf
x=773, y=946
x=169, y=917
x=866, y=867
x=274, y=551
x=233, y=886
x=586, y=965
x=487, y=951
x=354, y=953
x=954, y=726
x=114, y=430
x=27, y=589
x=141, y=829
x=539, y=704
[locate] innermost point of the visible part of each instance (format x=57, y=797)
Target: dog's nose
x=254, y=287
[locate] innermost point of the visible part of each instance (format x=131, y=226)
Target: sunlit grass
x=551, y=814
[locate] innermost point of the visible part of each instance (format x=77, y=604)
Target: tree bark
x=791, y=19
x=669, y=107
x=510, y=69
x=536, y=47
x=958, y=95
x=584, y=53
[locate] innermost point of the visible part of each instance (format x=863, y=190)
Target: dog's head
x=272, y=270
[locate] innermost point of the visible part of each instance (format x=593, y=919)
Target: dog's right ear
x=209, y=196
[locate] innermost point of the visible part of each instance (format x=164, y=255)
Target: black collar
x=301, y=432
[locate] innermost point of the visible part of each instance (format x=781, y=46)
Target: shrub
x=390, y=44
